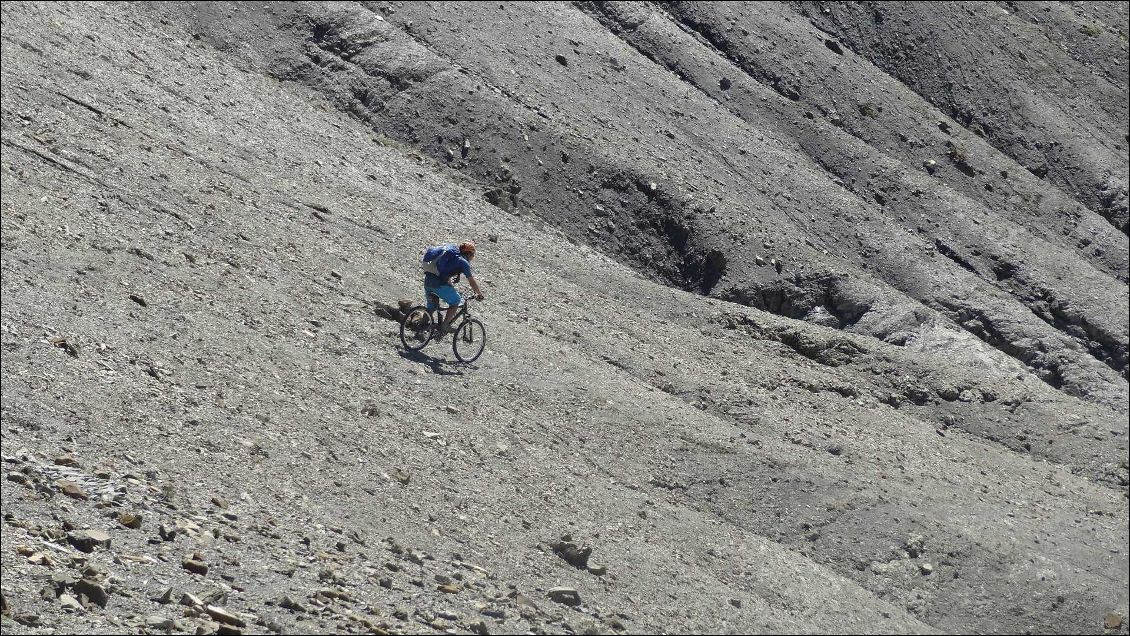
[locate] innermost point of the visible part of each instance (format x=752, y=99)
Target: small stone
x=494, y=612
x=88, y=540
x=288, y=603
x=598, y=570
x=561, y=59
x=67, y=460
x=565, y=595
x=194, y=566
x=94, y=571
x=523, y=601
x=1113, y=620
x=167, y=533
x=493, y=238
x=159, y=622
x=71, y=348
x=914, y=545
x=736, y=602
x=334, y=594
x=31, y=620
x=164, y=598
x=190, y=600
x=71, y=489
x=575, y=555
x=70, y=602
x=449, y=588
x=62, y=580
x=41, y=558
x=452, y=410
x=386, y=583
x=93, y=591
x=220, y=502
x=926, y=569
x=835, y=449
x=224, y=616
x=130, y=520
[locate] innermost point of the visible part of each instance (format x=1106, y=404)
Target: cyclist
x=441, y=264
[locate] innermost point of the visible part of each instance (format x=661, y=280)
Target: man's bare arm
x=475, y=286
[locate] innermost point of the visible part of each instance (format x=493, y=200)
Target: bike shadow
x=437, y=365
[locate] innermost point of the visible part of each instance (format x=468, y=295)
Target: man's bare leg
x=450, y=315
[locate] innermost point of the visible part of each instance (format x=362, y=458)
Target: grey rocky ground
x=774, y=368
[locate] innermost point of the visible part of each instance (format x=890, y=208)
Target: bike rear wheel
x=417, y=328
x=469, y=341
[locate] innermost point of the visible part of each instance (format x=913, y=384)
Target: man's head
x=467, y=250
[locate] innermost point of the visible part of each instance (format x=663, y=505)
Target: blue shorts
x=446, y=293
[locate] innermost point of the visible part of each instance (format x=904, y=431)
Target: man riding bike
x=442, y=263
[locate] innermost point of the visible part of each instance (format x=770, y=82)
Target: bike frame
x=460, y=316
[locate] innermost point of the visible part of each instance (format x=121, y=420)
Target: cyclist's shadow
x=438, y=366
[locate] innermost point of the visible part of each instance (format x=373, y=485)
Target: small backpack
x=432, y=258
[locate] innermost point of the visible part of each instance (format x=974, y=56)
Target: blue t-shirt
x=450, y=263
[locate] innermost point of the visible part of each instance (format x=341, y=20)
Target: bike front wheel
x=469, y=341
x=417, y=328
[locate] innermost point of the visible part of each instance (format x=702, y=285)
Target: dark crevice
x=795, y=303
x=1047, y=365
x=949, y=252
x=1102, y=346
x=827, y=299
x=965, y=169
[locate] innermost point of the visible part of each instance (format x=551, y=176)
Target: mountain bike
x=420, y=326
